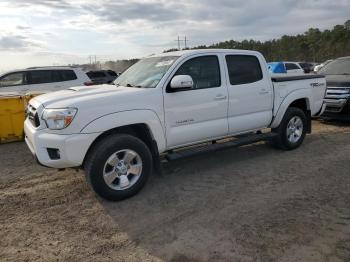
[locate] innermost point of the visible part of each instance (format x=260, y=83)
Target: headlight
x=59, y=118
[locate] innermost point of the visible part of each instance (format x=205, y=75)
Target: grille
x=336, y=98
x=337, y=93
x=333, y=109
x=33, y=115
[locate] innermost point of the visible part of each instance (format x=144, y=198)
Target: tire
x=118, y=166
x=289, y=134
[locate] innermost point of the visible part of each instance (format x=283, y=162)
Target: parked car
x=318, y=67
x=102, y=76
x=42, y=79
x=166, y=102
x=276, y=68
x=285, y=68
x=337, y=98
x=307, y=66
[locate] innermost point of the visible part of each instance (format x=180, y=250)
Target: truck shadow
x=335, y=122
x=191, y=206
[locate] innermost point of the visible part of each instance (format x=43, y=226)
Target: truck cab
x=164, y=104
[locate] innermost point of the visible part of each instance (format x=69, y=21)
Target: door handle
x=263, y=92
x=220, y=97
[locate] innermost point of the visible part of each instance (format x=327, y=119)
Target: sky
x=59, y=32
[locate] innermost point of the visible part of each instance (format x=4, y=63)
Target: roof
x=344, y=57
x=201, y=51
x=285, y=62
x=40, y=68
x=51, y=67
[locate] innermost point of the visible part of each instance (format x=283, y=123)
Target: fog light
x=54, y=153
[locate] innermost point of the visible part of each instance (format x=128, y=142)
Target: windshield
x=337, y=67
x=146, y=73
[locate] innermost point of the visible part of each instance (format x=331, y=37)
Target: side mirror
x=181, y=82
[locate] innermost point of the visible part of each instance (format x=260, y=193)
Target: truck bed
x=310, y=86
x=284, y=77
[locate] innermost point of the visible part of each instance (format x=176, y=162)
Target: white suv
x=42, y=79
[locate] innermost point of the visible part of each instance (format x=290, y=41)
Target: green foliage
x=313, y=46
x=170, y=50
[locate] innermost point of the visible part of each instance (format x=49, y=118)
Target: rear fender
x=287, y=101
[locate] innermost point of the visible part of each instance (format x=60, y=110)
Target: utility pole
x=178, y=43
x=185, y=40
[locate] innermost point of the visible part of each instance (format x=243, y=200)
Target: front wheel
x=292, y=129
x=118, y=166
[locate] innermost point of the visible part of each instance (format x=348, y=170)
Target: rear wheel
x=292, y=130
x=119, y=166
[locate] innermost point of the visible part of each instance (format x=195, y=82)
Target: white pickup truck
x=163, y=106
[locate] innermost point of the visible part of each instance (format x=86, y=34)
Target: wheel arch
x=139, y=130
x=302, y=103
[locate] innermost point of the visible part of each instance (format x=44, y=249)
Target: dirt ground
x=252, y=203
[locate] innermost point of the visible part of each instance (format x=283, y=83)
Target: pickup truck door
x=250, y=93
x=200, y=113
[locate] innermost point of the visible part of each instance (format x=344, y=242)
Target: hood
x=75, y=95
x=338, y=80
x=97, y=101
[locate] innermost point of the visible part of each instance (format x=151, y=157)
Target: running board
x=244, y=140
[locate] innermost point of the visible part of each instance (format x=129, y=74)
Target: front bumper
x=72, y=148
x=337, y=109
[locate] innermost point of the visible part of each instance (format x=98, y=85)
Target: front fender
x=287, y=101
x=130, y=117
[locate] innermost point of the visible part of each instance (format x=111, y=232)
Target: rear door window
x=51, y=76
x=41, y=77
x=243, y=69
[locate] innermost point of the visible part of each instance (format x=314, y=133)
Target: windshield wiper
x=130, y=85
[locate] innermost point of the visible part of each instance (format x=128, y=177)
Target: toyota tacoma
x=164, y=105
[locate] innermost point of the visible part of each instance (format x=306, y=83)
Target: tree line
x=313, y=46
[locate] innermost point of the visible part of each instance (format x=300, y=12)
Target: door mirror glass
x=181, y=82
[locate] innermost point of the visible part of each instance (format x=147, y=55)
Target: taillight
x=90, y=83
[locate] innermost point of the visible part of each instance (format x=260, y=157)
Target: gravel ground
x=252, y=203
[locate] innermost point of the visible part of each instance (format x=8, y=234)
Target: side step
x=241, y=141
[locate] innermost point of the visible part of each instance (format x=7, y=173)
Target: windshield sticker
x=164, y=63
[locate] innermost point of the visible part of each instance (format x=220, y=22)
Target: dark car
x=102, y=76
x=337, y=97
x=307, y=67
